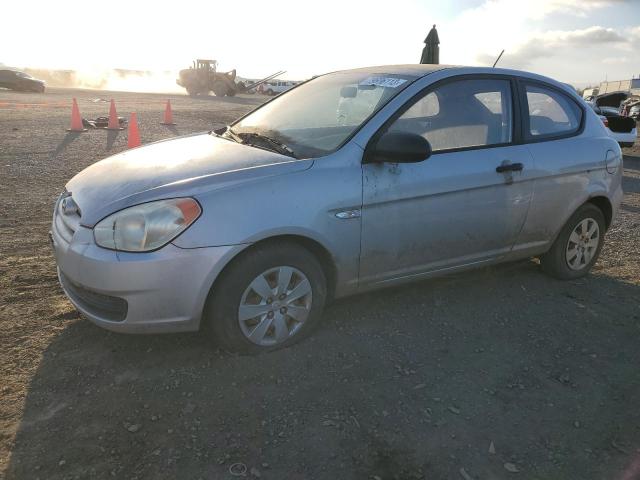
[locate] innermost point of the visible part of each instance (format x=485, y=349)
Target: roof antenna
x=498, y=59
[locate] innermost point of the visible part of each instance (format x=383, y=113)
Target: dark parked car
x=20, y=81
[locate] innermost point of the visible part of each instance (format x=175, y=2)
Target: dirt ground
x=496, y=374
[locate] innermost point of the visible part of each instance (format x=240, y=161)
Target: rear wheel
x=270, y=298
x=578, y=246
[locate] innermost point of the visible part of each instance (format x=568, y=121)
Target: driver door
x=454, y=208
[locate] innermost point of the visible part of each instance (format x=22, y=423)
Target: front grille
x=67, y=222
x=103, y=306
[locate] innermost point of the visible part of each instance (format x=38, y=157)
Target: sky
x=577, y=41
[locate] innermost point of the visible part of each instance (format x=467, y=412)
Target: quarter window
x=551, y=113
x=461, y=114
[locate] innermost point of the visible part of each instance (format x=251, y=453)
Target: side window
x=462, y=113
x=427, y=106
x=551, y=113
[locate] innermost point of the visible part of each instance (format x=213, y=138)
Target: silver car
x=352, y=181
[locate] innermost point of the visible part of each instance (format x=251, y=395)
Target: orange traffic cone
x=114, y=123
x=76, y=119
x=133, y=133
x=168, y=115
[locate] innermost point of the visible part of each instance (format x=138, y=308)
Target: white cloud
x=557, y=43
x=483, y=31
x=615, y=60
x=522, y=30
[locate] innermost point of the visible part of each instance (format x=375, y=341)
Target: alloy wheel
x=582, y=244
x=275, y=306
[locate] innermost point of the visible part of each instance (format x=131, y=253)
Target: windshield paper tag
x=388, y=82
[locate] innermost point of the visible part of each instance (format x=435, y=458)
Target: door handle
x=509, y=167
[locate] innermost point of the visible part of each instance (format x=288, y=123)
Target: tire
x=270, y=92
x=560, y=261
x=219, y=89
x=233, y=293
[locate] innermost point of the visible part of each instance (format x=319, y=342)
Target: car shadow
x=631, y=183
x=631, y=162
x=393, y=384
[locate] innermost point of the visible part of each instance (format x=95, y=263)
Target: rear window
x=551, y=113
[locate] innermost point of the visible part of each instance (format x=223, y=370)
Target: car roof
x=422, y=70
x=414, y=70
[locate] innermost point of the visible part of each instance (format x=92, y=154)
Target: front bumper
x=155, y=292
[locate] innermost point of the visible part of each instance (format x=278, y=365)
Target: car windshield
x=317, y=117
x=23, y=75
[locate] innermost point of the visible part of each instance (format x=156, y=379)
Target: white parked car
x=276, y=87
x=622, y=129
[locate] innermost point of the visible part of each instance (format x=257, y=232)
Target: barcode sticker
x=389, y=82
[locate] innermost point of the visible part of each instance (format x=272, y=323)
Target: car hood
x=183, y=166
x=32, y=79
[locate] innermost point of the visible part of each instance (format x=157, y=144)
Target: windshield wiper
x=228, y=133
x=245, y=138
x=279, y=146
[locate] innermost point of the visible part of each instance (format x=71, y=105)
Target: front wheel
x=578, y=246
x=269, y=298
x=219, y=88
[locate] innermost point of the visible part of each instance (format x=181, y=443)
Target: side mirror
x=399, y=147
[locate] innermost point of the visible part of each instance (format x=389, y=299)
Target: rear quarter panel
x=568, y=172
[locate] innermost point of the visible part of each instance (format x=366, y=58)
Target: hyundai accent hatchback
x=352, y=181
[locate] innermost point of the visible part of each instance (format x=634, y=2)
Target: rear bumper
x=155, y=292
x=625, y=139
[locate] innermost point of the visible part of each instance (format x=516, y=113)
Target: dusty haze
x=114, y=79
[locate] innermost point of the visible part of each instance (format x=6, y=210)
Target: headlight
x=148, y=226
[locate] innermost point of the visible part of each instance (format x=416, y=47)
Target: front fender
x=302, y=203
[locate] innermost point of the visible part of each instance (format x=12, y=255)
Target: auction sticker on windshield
x=389, y=82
